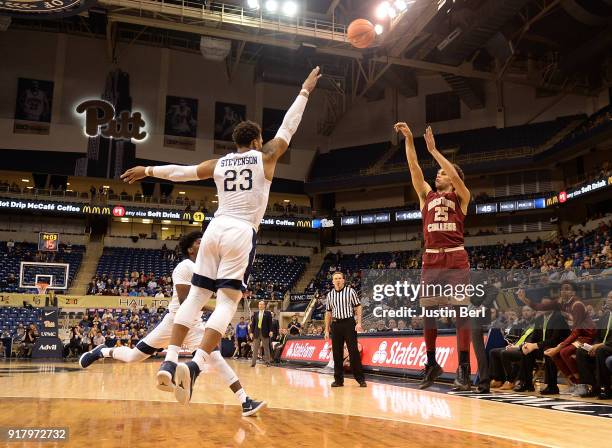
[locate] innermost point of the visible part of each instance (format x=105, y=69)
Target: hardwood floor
x=115, y=404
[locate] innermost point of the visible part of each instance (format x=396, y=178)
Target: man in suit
x=550, y=329
x=275, y=333
x=261, y=332
x=278, y=350
x=596, y=380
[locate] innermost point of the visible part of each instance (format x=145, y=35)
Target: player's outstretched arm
x=175, y=173
x=275, y=148
x=458, y=184
x=418, y=180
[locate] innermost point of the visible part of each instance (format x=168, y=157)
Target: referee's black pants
x=343, y=330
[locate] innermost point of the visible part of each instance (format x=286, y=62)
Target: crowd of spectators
x=22, y=341
x=110, y=327
x=133, y=284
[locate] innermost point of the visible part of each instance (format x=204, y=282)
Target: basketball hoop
x=42, y=287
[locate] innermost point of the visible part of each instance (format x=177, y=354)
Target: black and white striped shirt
x=341, y=303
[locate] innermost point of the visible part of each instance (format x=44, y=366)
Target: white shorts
x=226, y=255
x=159, y=338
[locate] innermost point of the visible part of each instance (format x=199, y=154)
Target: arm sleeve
x=176, y=173
x=182, y=275
x=292, y=119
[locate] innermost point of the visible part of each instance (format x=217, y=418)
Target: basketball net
x=42, y=287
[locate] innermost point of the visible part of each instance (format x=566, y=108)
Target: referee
x=342, y=307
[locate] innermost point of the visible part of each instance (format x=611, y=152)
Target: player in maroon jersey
x=445, y=260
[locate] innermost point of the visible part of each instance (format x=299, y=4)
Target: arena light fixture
x=181, y=192
x=271, y=5
x=147, y=221
x=290, y=8
x=166, y=221
x=125, y=219
x=68, y=183
x=400, y=5
x=25, y=180
x=286, y=200
x=381, y=10
x=165, y=228
x=391, y=12
x=378, y=29
x=253, y=4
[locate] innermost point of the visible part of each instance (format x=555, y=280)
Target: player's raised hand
x=311, y=81
x=403, y=128
x=429, y=140
x=134, y=174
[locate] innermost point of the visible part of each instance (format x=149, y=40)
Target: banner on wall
x=37, y=300
x=401, y=353
x=33, y=106
x=180, y=129
x=227, y=116
x=271, y=122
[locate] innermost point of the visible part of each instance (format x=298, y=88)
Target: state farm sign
x=402, y=352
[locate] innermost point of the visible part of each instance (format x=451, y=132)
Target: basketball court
x=302, y=409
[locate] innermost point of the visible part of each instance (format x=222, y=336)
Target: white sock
x=241, y=395
x=201, y=358
x=172, y=353
x=106, y=352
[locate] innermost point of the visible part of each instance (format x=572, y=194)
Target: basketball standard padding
x=360, y=33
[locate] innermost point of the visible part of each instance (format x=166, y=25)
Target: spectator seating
x=488, y=139
x=280, y=271
x=115, y=262
x=11, y=317
x=354, y=159
x=350, y=159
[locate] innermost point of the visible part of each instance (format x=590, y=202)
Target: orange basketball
x=361, y=33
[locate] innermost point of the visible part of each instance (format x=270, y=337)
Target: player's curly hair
x=245, y=132
x=187, y=241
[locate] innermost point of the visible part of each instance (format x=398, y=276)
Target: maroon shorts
x=443, y=269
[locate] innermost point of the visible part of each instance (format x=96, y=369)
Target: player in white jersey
x=228, y=247
x=159, y=337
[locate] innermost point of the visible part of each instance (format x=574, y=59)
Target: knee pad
x=187, y=314
x=227, y=303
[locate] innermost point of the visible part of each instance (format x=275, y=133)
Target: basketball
x=361, y=33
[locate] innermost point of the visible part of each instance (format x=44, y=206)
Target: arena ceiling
x=557, y=46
